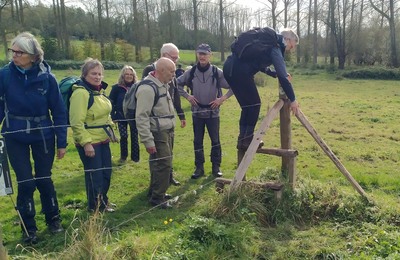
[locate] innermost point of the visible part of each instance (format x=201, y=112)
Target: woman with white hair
x=35, y=122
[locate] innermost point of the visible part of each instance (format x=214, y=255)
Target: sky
x=250, y=3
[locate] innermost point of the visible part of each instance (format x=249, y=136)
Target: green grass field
x=323, y=218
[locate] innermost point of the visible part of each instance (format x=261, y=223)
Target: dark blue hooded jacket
x=32, y=109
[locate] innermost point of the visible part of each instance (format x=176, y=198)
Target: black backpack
x=251, y=44
x=215, y=77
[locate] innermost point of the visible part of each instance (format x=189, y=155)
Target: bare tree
x=390, y=16
x=170, y=26
x=287, y=4
x=20, y=9
x=222, y=7
x=57, y=18
x=3, y=4
x=299, y=48
x=149, y=32
x=64, y=30
x=101, y=35
x=338, y=25
x=136, y=27
x=315, y=41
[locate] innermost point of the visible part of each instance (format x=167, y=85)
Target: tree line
x=335, y=32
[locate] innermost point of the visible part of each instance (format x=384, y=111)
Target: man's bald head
x=165, y=70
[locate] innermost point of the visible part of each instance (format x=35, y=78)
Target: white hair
x=168, y=47
x=290, y=34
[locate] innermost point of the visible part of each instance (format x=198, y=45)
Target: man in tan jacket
x=155, y=125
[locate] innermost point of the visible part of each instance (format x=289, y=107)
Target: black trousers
x=19, y=156
x=199, y=125
x=97, y=175
x=240, y=77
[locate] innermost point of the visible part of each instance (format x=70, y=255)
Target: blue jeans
x=19, y=156
x=97, y=175
x=199, y=125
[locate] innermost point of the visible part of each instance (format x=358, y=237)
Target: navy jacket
x=117, y=95
x=32, y=107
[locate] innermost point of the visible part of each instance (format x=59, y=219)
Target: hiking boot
x=31, y=239
x=173, y=181
x=246, y=143
x=55, y=226
x=216, y=172
x=199, y=172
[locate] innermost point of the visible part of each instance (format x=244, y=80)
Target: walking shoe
x=31, y=239
x=55, y=226
x=173, y=181
x=110, y=208
x=199, y=172
x=216, y=172
x=160, y=204
x=111, y=205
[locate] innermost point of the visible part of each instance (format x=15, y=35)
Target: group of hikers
x=35, y=119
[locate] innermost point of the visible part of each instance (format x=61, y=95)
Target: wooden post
x=251, y=151
x=288, y=164
x=302, y=118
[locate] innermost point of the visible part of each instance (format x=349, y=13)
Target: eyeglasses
x=17, y=53
x=172, y=57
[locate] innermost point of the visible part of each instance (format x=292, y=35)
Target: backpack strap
x=154, y=87
x=216, y=78
x=157, y=97
x=189, y=83
x=91, y=93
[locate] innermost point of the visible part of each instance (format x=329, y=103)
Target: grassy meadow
x=322, y=218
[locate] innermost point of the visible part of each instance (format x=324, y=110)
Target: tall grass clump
x=3, y=250
x=90, y=239
x=85, y=239
x=309, y=203
x=200, y=237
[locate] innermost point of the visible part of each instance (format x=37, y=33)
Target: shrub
x=76, y=65
x=373, y=73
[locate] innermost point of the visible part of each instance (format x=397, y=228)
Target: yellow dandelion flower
x=170, y=220
x=165, y=222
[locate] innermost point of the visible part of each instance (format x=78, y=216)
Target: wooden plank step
x=279, y=152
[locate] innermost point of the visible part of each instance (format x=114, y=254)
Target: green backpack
x=65, y=86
